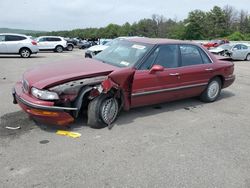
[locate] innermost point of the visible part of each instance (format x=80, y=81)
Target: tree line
x=226, y=22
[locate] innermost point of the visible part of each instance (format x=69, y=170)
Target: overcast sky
x=70, y=14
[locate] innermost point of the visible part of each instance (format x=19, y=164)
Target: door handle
x=209, y=69
x=174, y=74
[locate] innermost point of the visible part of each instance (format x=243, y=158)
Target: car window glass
x=2, y=38
x=150, y=60
x=53, y=39
x=190, y=55
x=167, y=56
x=238, y=47
x=205, y=58
x=123, y=53
x=42, y=39
x=14, y=38
x=244, y=47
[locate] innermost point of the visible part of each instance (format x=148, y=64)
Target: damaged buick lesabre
x=131, y=73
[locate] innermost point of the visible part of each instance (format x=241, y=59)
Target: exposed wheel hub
x=109, y=110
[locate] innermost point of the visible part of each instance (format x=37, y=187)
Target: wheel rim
x=70, y=48
x=109, y=110
x=59, y=49
x=248, y=57
x=25, y=53
x=213, y=89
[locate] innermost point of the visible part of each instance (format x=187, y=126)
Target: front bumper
x=43, y=111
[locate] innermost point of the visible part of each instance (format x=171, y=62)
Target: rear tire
x=25, y=53
x=102, y=111
x=212, y=92
x=248, y=57
x=59, y=49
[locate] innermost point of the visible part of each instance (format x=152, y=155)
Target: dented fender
x=120, y=80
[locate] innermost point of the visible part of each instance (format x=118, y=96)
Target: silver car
x=234, y=51
x=17, y=44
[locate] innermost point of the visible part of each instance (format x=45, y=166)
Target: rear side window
x=190, y=55
x=14, y=38
x=244, y=47
x=205, y=58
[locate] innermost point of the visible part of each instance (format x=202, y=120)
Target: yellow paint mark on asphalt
x=68, y=133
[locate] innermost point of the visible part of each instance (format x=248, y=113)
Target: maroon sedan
x=128, y=74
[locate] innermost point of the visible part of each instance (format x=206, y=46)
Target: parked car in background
x=92, y=51
x=215, y=43
x=86, y=44
x=70, y=45
x=128, y=74
x=17, y=44
x=54, y=43
x=234, y=51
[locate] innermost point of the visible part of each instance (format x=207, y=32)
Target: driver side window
x=164, y=55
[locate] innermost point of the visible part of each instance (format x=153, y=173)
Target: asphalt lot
x=179, y=144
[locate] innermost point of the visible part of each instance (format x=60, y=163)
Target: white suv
x=17, y=44
x=57, y=44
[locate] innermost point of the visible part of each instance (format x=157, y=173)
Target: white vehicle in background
x=54, y=43
x=92, y=51
x=234, y=51
x=11, y=43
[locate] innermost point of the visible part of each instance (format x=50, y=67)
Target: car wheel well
x=247, y=56
x=58, y=46
x=24, y=48
x=221, y=79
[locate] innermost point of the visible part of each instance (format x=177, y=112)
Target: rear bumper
x=43, y=111
x=228, y=80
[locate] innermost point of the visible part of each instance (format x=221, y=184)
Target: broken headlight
x=44, y=94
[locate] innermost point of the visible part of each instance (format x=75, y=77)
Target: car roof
x=159, y=41
x=50, y=36
x=16, y=34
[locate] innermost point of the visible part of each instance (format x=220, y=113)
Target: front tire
x=212, y=91
x=59, y=49
x=25, y=53
x=102, y=111
x=70, y=47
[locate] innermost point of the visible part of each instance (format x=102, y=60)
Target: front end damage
x=74, y=96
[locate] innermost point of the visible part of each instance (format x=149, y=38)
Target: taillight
x=33, y=42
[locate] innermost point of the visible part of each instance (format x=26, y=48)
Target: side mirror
x=156, y=68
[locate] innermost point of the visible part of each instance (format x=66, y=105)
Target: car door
x=14, y=43
x=3, y=47
x=238, y=52
x=195, y=71
x=51, y=42
x=242, y=53
x=42, y=43
x=152, y=85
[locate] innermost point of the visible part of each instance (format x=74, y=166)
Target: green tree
x=194, y=25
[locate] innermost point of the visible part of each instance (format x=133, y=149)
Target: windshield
x=123, y=53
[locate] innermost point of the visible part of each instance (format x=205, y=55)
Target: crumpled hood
x=49, y=75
